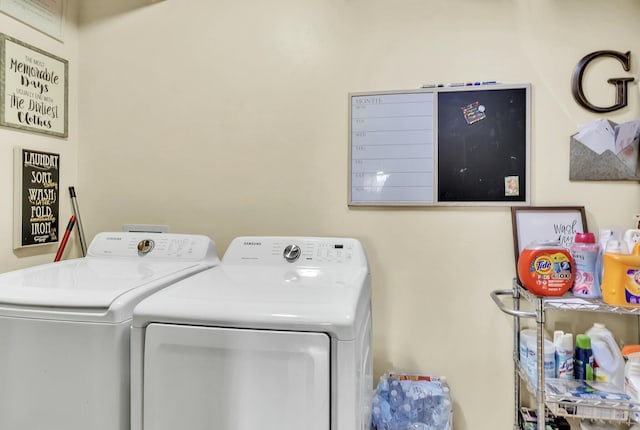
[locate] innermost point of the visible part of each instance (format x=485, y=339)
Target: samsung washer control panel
x=153, y=246
x=324, y=251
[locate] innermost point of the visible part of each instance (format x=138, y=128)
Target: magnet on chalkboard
x=511, y=186
x=473, y=112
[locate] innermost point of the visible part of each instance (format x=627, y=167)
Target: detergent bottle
x=632, y=379
x=609, y=363
x=584, y=251
x=631, y=237
x=621, y=279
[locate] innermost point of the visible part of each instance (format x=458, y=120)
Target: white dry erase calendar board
x=465, y=145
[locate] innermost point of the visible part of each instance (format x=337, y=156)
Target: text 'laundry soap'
x=546, y=268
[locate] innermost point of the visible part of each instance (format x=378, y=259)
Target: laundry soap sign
x=34, y=88
x=36, y=197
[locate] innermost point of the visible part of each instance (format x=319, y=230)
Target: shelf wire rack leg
x=516, y=313
x=540, y=365
x=516, y=358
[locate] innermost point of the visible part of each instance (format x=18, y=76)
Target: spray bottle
x=564, y=354
x=583, y=364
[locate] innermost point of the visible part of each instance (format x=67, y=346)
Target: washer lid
x=333, y=301
x=87, y=283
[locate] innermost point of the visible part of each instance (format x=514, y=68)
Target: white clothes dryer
x=278, y=337
x=65, y=329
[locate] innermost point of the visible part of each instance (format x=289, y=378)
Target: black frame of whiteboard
x=445, y=97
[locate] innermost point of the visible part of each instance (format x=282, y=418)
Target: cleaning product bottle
x=564, y=354
x=631, y=237
x=584, y=251
x=583, y=364
x=632, y=380
x=608, y=358
x=527, y=336
x=549, y=359
x=621, y=281
x=604, y=234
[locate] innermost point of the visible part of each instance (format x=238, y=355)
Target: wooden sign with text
x=36, y=197
x=33, y=88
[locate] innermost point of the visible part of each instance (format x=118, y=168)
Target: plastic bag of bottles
x=411, y=402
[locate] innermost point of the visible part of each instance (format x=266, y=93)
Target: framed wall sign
x=552, y=223
x=36, y=197
x=33, y=88
x=46, y=16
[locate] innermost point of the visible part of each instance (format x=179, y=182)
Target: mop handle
x=76, y=211
x=65, y=238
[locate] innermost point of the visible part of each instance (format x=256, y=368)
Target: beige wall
x=230, y=118
x=67, y=148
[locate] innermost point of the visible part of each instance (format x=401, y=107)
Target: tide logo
x=543, y=265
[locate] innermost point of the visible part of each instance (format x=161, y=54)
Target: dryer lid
x=86, y=283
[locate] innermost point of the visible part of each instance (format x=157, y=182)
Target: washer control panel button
x=145, y=246
x=292, y=253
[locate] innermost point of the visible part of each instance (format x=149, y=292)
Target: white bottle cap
x=557, y=335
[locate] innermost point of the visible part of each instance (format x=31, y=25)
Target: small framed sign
x=33, y=89
x=46, y=16
x=36, y=197
x=546, y=223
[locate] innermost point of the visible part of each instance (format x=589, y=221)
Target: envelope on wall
x=586, y=164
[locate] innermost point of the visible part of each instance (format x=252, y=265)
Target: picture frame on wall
x=546, y=223
x=34, y=89
x=46, y=16
x=36, y=193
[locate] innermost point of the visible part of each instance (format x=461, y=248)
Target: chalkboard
x=36, y=197
x=463, y=145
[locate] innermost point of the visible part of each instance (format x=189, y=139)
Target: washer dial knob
x=145, y=246
x=292, y=253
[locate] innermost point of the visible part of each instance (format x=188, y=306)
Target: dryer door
x=209, y=378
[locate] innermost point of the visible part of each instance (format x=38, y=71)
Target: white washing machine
x=65, y=329
x=278, y=337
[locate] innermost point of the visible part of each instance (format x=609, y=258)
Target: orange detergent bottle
x=546, y=268
x=621, y=280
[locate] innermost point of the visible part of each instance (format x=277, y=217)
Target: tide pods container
x=546, y=268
